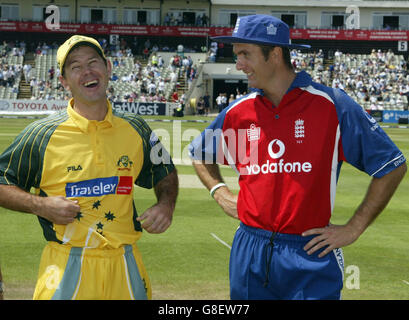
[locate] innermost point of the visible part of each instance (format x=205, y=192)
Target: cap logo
x=74, y=39
x=271, y=30
x=236, y=28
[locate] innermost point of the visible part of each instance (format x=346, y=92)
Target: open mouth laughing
x=91, y=84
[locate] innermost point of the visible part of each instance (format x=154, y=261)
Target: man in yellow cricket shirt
x=83, y=163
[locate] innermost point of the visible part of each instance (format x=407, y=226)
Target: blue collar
x=302, y=80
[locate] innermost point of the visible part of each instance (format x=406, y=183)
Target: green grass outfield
x=188, y=262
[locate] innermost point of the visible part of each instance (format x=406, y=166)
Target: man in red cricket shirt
x=287, y=139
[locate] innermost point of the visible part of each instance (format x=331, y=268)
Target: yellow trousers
x=67, y=273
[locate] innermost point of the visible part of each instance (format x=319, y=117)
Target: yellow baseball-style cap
x=74, y=42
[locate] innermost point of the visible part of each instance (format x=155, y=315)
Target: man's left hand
x=331, y=237
x=157, y=218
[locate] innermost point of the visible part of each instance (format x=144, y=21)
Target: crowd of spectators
x=313, y=63
x=377, y=81
x=9, y=69
x=43, y=48
x=153, y=82
x=9, y=74
x=147, y=83
x=11, y=57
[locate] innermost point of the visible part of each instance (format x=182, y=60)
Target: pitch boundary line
x=220, y=240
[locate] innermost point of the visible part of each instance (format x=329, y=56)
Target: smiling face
x=86, y=75
x=253, y=63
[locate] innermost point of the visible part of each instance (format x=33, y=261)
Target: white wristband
x=217, y=186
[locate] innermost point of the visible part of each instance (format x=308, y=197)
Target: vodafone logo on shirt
x=276, y=149
x=281, y=150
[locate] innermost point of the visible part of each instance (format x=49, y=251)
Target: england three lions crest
x=299, y=130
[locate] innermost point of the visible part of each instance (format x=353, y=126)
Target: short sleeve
x=365, y=144
x=208, y=146
x=20, y=163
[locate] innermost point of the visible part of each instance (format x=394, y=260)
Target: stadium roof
x=319, y=3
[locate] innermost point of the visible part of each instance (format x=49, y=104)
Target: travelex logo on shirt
x=99, y=187
x=276, y=149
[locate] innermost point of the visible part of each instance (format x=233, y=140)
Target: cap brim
x=229, y=39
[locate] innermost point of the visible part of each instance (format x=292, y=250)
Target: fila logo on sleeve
x=276, y=149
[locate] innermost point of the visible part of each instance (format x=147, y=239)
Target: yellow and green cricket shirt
x=94, y=162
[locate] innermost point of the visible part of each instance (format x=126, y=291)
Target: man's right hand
x=210, y=176
x=58, y=210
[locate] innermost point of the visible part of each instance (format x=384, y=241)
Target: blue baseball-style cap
x=261, y=29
